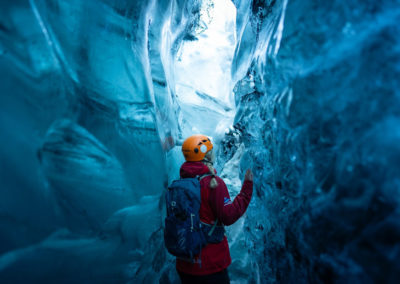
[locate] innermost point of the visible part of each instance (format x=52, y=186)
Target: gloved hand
x=249, y=175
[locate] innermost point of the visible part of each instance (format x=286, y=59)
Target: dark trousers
x=221, y=277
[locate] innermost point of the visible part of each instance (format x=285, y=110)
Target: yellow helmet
x=195, y=147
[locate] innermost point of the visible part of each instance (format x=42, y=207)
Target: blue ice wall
x=88, y=112
x=317, y=92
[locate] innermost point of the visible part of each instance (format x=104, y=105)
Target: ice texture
x=203, y=72
x=96, y=97
x=317, y=94
x=88, y=113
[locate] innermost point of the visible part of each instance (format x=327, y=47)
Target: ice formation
x=97, y=96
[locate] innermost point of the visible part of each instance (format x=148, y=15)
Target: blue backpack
x=184, y=234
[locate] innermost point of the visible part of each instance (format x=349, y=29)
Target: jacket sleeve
x=226, y=211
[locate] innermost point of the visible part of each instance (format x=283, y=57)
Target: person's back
x=216, y=206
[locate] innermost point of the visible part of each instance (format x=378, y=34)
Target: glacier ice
x=88, y=112
x=97, y=96
x=88, y=181
x=317, y=94
x=202, y=72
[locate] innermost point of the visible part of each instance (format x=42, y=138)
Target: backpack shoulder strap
x=200, y=177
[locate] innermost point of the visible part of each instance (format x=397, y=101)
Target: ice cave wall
x=88, y=112
x=317, y=94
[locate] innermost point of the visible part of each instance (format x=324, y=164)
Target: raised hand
x=249, y=175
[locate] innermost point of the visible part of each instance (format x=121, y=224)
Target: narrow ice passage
x=203, y=72
x=96, y=97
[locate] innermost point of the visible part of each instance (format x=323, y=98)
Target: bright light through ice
x=203, y=80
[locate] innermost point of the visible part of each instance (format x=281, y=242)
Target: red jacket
x=215, y=203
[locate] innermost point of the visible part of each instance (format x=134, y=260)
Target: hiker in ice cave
x=196, y=216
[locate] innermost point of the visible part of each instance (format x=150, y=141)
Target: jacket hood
x=192, y=169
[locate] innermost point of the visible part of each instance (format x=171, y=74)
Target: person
x=211, y=264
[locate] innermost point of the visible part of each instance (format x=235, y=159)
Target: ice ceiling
x=96, y=97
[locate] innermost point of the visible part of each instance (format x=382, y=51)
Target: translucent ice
x=317, y=93
x=202, y=72
x=96, y=97
x=88, y=113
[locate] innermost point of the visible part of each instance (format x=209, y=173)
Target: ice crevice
x=98, y=96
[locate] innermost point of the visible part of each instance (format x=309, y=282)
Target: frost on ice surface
x=97, y=96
